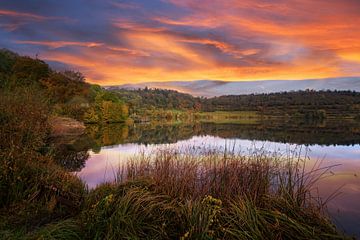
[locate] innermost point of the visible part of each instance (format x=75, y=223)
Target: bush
x=33, y=189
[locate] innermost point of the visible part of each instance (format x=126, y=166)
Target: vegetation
x=36, y=191
x=107, y=107
x=243, y=117
x=150, y=99
x=66, y=92
x=301, y=99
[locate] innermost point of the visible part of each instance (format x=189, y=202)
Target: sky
x=122, y=41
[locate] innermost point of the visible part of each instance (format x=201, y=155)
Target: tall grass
x=196, y=172
x=172, y=194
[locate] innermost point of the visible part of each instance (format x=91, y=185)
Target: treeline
x=66, y=92
x=150, y=99
x=308, y=104
x=305, y=99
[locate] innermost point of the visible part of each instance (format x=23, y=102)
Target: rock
x=64, y=126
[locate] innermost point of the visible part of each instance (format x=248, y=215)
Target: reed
x=209, y=194
x=225, y=174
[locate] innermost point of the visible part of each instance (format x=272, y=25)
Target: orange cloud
x=58, y=44
x=165, y=45
x=133, y=26
x=130, y=51
x=115, y=69
x=224, y=47
x=353, y=56
x=200, y=22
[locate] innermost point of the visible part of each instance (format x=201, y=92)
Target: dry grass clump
x=193, y=173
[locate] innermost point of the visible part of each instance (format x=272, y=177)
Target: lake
x=96, y=156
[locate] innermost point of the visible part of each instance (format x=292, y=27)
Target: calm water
x=99, y=154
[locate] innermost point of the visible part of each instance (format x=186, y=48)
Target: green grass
x=130, y=212
x=239, y=117
x=63, y=230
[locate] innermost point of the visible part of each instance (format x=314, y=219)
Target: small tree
x=105, y=111
x=91, y=116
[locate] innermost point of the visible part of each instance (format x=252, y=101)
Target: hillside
x=66, y=93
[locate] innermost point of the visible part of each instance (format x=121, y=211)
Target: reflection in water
x=113, y=144
x=322, y=134
x=71, y=153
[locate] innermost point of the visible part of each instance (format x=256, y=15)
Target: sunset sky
x=116, y=42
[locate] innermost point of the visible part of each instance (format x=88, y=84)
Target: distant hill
x=211, y=88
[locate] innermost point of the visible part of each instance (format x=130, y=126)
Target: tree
x=124, y=111
x=74, y=76
x=91, y=116
x=105, y=111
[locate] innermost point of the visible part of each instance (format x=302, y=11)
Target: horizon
x=123, y=42
x=214, y=88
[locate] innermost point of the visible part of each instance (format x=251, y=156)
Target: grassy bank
x=297, y=116
x=170, y=194
x=178, y=116
x=238, y=117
